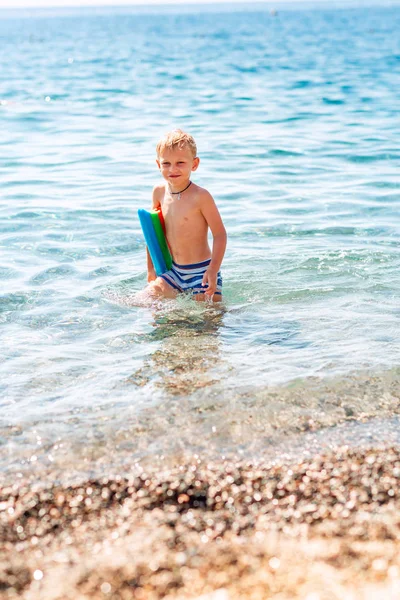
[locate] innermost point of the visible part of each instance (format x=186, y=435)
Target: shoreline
x=328, y=525
x=271, y=424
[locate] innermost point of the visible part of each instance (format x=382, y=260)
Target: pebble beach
x=327, y=528
x=173, y=450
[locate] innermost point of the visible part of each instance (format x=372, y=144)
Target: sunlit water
x=296, y=117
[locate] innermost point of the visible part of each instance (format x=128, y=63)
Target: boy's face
x=176, y=165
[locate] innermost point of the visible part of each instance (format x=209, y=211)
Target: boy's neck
x=176, y=189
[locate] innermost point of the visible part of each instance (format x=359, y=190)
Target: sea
x=295, y=110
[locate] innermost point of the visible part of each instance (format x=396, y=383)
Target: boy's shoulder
x=158, y=193
x=159, y=187
x=201, y=192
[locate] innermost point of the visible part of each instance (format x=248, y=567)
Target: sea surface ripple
x=296, y=116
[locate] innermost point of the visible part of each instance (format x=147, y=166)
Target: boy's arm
x=155, y=203
x=214, y=221
x=151, y=273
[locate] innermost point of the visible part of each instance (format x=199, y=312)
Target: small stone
x=380, y=565
x=274, y=563
x=37, y=575
x=105, y=587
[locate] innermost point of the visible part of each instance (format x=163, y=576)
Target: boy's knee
x=154, y=287
x=159, y=287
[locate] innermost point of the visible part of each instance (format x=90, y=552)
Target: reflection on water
x=188, y=353
x=270, y=424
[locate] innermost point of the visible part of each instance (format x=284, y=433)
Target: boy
x=189, y=211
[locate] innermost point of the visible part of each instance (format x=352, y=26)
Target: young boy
x=189, y=211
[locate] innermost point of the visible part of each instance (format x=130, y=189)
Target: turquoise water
x=296, y=117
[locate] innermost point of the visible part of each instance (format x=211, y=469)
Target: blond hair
x=176, y=139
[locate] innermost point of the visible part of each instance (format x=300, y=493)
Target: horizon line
x=184, y=4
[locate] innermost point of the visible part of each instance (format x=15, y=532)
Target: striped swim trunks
x=185, y=278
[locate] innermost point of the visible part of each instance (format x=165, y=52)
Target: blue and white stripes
x=184, y=278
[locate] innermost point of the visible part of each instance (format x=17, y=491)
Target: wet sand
x=324, y=528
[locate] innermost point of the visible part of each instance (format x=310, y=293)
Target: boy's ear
x=158, y=163
x=196, y=162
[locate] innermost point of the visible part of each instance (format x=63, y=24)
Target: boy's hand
x=151, y=276
x=210, y=278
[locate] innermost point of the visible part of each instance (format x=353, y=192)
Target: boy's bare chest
x=178, y=213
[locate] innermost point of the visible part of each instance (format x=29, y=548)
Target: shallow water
x=296, y=119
